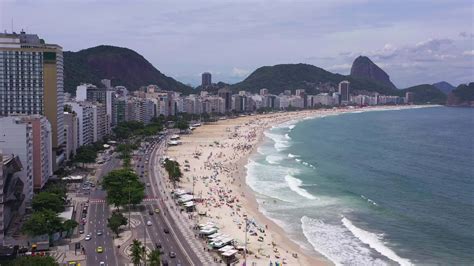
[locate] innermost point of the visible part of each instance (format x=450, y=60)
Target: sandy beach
x=214, y=156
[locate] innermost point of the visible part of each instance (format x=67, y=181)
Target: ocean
x=373, y=188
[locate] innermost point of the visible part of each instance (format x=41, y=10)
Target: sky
x=414, y=41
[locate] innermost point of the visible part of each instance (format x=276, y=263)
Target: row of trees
x=46, y=207
x=128, y=129
x=138, y=254
x=123, y=186
x=174, y=172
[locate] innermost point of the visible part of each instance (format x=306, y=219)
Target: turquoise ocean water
x=373, y=188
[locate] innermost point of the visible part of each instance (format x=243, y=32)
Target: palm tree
x=154, y=258
x=137, y=252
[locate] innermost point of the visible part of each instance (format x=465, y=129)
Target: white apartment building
x=85, y=119
x=16, y=137
x=31, y=81
x=70, y=134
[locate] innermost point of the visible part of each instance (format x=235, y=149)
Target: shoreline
x=231, y=170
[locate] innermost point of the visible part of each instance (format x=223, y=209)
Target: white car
x=148, y=223
x=88, y=237
x=101, y=263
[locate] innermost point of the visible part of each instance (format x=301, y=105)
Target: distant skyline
x=420, y=41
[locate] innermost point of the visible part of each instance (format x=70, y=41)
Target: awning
x=226, y=248
x=229, y=253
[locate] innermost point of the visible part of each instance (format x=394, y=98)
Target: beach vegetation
x=174, y=172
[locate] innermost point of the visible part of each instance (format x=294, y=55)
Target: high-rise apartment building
x=16, y=137
x=206, y=79
x=11, y=191
x=70, y=134
x=344, y=90
x=31, y=82
x=226, y=94
x=85, y=121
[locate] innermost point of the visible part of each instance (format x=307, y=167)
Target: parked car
x=172, y=254
x=148, y=223
x=88, y=237
x=166, y=231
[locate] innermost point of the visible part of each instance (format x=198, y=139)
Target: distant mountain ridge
x=426, y=93
x=462, y=95
x=444, y=86
x=364, y=68
x=282, y=77
x=121, y=65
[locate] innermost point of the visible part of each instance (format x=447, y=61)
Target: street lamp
x=129, y=203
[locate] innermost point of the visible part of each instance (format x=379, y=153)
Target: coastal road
x=97, y=215
x=174, y=241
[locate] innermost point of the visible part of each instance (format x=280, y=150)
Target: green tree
x=86, y=154
x=115, y=221
x=43, y=222
x=122, y=185
x=136, y=252
x=48, y=201
x=154, y=257
x=174, y=172
x=69, y=226
x=32, y=260
x=182, y=125
x=58, y=188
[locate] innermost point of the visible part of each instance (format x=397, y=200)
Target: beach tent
x=214, y=235
x=208, y=231
x=189, y=206
x=229, y=253
x=226, y=248
x=185, y=198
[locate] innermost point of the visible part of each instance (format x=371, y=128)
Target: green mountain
x=444, y=87
x=462, y=95
x=426, y=93
x=303, y=76
x=121, y=65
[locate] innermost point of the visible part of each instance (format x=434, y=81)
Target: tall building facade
x=11, y=191
x=206, y=79
x=344, y=90
x=70, y=134
x=31, y=81
x=226, y=94
x=42, y=150
x=16, y=137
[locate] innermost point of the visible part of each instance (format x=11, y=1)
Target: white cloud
x=239, y=72
x=470, y=53
x=339, y=67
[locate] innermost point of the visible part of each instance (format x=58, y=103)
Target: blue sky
x=414, y=41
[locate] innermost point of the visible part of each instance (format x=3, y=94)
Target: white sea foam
x=291, y=127
x=337, y=243
x=269, y=180
x=273, y=159
x=369, y=200
x=287, y=136
x=295, y=185
x=292, y=155
x=280, y=142
x=375, y=242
